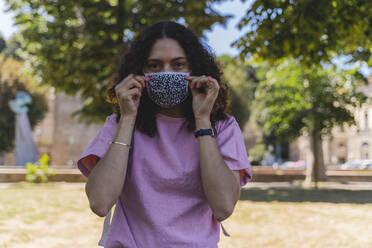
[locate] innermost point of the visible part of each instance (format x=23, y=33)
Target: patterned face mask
x=167, y=89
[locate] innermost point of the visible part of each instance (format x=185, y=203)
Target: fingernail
x=147, y=79
x=209, y=77
x=187, y=76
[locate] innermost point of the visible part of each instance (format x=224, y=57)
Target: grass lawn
x=57, y=215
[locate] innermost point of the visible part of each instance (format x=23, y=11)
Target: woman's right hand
x=128, y=93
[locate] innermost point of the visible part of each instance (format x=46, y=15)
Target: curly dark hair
x=200, y=59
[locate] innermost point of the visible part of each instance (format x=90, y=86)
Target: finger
x=127, y=86
x=141, y=83
x=202, y=82
x=128, y=80
x=141, y=79
x=190, y=79
x=125, y=80
x=132, y=92
x=122, y=90
x=214, y=83
x=208, y=83
x=134, y=84
x=214, y=89
x=192, y=86
x=194, y=81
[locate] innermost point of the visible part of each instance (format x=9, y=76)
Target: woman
x=188, y=161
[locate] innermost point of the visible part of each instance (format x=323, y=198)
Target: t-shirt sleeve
x=231, y=144
x=98, y=146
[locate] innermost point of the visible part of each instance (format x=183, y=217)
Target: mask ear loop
x=144, y=73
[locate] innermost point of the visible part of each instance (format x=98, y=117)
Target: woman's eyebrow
x=153, y=60
x=177, y=59
x=159, y=60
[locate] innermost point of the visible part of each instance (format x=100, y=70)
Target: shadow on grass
x=306, y=195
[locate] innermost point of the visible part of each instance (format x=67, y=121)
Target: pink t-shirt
x=162, y=203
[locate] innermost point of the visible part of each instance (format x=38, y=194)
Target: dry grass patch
x=57, y=215
x=294, y=217
x=49, y=215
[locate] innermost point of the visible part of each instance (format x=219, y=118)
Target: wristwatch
x=210, y=131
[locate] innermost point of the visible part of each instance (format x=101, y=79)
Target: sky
x=6, y=23
x=219, y=38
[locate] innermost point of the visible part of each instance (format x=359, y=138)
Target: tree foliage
x=311, y=31
x=242, y=79
x=293, y=98
x=2, y=43
x=12, y=48
x=71, y=44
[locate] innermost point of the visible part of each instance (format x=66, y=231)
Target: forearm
x=220, y=186
x=107, y=178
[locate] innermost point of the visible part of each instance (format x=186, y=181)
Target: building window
x=341, y=128
x=364, y=151
x=366, y=124
x=342, y=148
x=341, y=160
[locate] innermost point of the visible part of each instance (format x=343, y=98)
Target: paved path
x=325, y=185
x=321, y=185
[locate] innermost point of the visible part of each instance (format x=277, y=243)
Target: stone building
x=345, y=142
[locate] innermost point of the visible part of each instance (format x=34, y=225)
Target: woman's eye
x=152, y=66
x=179, y=65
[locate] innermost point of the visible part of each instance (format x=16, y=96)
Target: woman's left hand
x=204, y=91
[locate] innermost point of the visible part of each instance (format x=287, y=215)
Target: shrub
x=39, y=172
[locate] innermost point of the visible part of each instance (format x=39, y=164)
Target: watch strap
x=209, y=131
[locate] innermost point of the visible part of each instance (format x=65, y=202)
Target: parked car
x=357, y=165
x=366, y=165
x=300, y=164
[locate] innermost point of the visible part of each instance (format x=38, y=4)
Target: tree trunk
x=2, y=159
x=315, y=170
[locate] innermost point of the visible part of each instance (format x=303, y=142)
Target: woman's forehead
x=166, y=49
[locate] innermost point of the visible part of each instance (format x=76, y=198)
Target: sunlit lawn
x=58, y=215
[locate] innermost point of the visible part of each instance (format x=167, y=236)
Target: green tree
x=311, y=31
x=294, y=99
x=2, y=43
x=242, y=79
x=71, y=44
x=12, y=48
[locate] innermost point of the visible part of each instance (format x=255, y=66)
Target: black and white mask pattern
x=167, y=89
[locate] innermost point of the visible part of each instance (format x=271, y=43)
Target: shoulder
x=111, y=120
x=110, y=126
x=229, y=122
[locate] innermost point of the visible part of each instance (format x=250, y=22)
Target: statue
x=26, y=150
